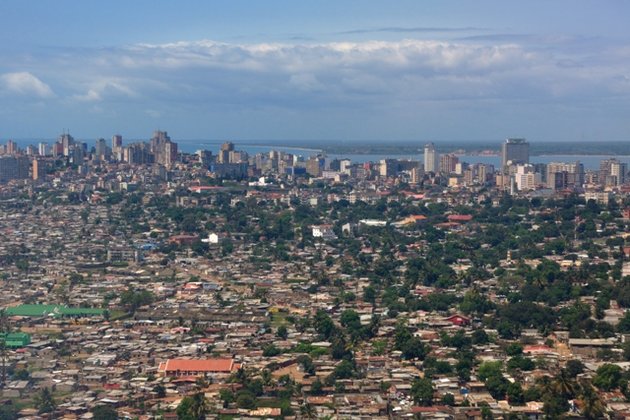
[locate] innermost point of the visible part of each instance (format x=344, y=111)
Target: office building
x=13, y=167
x=514, y=152
x=43, y=149
x=448, y=163
x=612, y=172
x=431, y=158
x=562, y=175
x=163, y=149
x=224, y=153
x=39, y=169
x=117, y=146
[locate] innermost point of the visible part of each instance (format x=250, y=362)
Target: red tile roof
x=207, y=365
x=459, y=217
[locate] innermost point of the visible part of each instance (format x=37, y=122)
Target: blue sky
x=349, y=70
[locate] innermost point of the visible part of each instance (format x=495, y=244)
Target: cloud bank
x=390, y=79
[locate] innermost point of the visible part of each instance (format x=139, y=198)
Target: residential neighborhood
x=186, y=285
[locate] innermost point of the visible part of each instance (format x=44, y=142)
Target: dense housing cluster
x=222, y=286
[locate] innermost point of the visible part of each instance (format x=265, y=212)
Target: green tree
x=245, y=399
x=488, y=369
x=159, y=390
x=131, y=299
x=574, y=367
x=448, y=399
x=624, y=324
x=282, y=332
x=104, y=412
x=44, y=401
x=8, y=412
x=607, y=377
x=422, y=391
x=317, y=388
x=227, y=396
x=192, y=407
x=592, y=405
x=515, y=394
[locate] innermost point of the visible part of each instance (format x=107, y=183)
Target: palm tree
x=199, y=406
x=564, y=384
x=592, y=405
x=308, y=411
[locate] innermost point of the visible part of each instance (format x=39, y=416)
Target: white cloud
x=200, y=80
x=105, y=87
x=25, y=83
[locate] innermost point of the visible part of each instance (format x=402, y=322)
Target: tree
x=8, y=412
x=592, y=406
x=486, y=413
x=369, y=294
x=515, y=394
x=308, y=411
x=317, y=387
x=44, y=401
x=574, y=367
x=488, y=369
x=282, y=332
x=159, y=390
x=132, y=299
x=480, y=337
x=104, y=412
x=227, y=396
x=514, y=349
x=607, y=377
x=414, y=349
x=245, y=399
x=497, y=386
x=448, y=399
x=624, y=323
x=344, y=370
x=192, y=407
x=323, y=324
x=554, y=405
x=422, y=391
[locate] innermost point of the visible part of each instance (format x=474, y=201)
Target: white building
x=431, y=158
x=323, y=231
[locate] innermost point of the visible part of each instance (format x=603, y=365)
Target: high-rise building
x=525, y=178
x=101, y=151
x=618, y=170
x=612, y=172
x=117, y=145
x=12, y=147
x=66, y=141
x=224, y=153
x=561, y=175
x=13, y=167
x=43, y=149
x=448, y=163
x=163, y=149
x=315, y=165
x=515, y=151
x=39, y=169
x=431, y=158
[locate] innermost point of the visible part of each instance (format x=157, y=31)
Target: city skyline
x=431, y=71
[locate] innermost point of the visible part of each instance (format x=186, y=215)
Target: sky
x=407, y=70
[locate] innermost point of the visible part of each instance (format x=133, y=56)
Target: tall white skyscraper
x=431, y=158
x=43, y=149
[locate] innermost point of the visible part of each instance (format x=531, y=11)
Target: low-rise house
x=194, y=367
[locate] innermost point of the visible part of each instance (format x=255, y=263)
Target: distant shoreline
x=473, y=148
